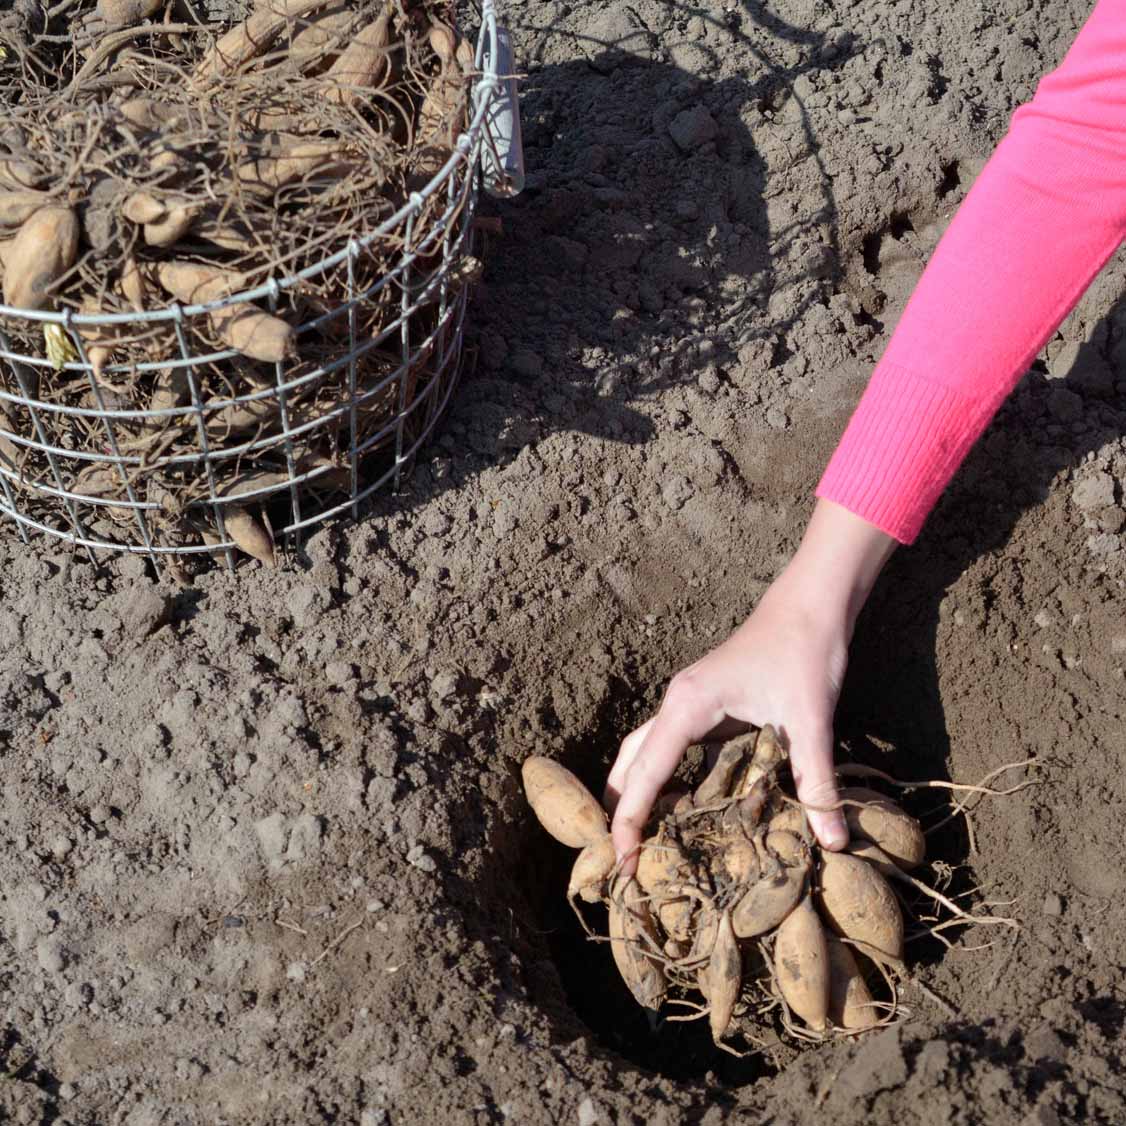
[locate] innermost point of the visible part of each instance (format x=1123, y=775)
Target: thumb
x=811, y=762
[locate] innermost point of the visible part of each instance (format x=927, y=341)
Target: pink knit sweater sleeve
x=1045, y=214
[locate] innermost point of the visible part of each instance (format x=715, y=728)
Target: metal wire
x=421, y=384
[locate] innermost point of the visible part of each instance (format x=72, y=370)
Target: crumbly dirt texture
x=264, y=855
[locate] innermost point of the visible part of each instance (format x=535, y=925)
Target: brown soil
x=265, y=856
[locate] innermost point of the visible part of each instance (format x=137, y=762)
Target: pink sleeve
x=1045, y=214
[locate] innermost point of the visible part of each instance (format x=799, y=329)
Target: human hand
x=784, y=666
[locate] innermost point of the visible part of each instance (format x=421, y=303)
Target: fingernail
x=835, y=837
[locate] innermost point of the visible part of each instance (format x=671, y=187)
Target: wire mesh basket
x=365, y=405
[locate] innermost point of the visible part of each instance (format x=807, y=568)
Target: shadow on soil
x=579, y=244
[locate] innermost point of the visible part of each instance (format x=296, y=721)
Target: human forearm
x=1042, y=219
x=835, y=567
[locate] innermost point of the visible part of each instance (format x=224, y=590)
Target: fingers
x=727, y=728
x=811, y=762
x=631, y=744
x=681, y=722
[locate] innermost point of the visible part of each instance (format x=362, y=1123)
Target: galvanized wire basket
x=374, y=428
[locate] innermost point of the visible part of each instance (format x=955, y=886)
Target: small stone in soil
x=1096, y=491
x=421, y=859
x=692, y=128
x=49, y=953
x=777, y=419
x=1053, y=905
x=526, y=363
x=588, y=1113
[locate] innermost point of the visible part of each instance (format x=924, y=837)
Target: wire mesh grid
x=390, y=387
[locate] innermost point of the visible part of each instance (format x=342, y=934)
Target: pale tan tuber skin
x=875, y=856
x=850, y=1000
x=725, y=978
x=321, y=42
x=767, y=903
x=660, y=863
x=124, y=13
x=16, y=206
x=768, y=755
x=718, y=781
x=859, y=905
x=19, y=174
x=268, y=173
x=564, y=806
x=631, y=934
x=171, y=227
x=591, y=870
x=883, y=822
x=362, y=65
x=801, y=963
x=675, y=916
x=243, y=327
x=248, y=534
x=44, y=248
x=133, y=284
x=787, y=846
x=740, y=860
x=251, y=37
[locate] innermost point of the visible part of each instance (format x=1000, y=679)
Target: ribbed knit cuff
x=903, y=443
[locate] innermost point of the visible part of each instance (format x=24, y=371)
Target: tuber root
x=801, y=964
x=242, y=326
x=859, y=905
x=631, y=933
x=564, y=806
x=44, y=249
